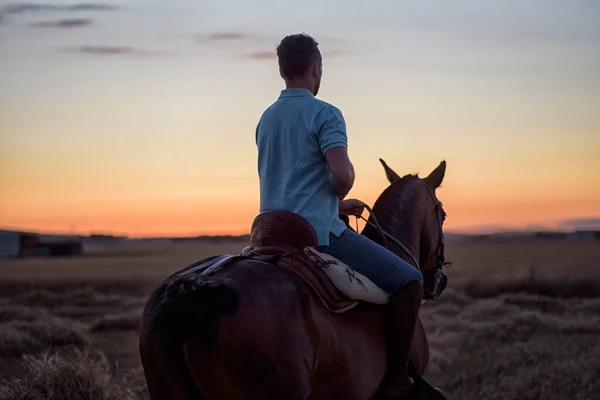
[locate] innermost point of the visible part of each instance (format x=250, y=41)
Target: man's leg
x=402, y=313
x=405, y=283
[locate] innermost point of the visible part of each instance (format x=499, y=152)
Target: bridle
x=441, y=259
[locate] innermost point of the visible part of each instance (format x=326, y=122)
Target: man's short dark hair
x=296, y=53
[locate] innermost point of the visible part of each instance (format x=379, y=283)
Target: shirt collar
x=296, y=92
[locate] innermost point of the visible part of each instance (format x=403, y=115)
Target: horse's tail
x=191, y=307
x=178, y=310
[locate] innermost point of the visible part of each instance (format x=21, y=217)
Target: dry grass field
x=519, y=320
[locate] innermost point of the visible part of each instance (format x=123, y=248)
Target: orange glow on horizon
x=229, y=215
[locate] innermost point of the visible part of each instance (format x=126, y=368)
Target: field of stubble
x=520, y=320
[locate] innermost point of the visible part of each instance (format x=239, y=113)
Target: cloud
x=92, y=7
x=64, y=23
x=228, y=36
x=236, y=42
x=591, y=223
x=19, y=8
x=251, y=46
x=224, y=37
x=272, y=55
x=119, y=51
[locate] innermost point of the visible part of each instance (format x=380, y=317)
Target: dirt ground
x=520, y=320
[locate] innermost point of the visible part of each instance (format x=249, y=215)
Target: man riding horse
x=304, y=168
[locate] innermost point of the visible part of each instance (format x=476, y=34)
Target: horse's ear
x=436, y=177
x=391, y=175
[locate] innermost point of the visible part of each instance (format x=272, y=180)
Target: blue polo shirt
x=292, y=137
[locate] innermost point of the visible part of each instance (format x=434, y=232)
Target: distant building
x=14, y=244
x=9, y=244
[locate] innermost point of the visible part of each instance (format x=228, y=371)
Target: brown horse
x=250, y=330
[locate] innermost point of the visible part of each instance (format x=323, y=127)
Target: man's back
x=292, y=136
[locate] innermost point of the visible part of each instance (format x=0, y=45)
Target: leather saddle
x=282, y=238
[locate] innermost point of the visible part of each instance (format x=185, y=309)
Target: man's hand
x=352, y=207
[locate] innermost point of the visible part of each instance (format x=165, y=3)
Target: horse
x=246, y=328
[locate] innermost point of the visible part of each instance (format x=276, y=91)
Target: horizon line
x=454, y=232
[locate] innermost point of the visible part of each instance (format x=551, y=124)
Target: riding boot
x=402, y=311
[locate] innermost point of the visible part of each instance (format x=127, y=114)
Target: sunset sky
x=138, y=117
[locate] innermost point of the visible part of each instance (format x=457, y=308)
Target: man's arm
x=333, y=141
x=342, y=170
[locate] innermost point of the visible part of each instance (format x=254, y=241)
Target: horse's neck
x=404, y=224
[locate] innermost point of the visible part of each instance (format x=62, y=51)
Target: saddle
x=288, y=241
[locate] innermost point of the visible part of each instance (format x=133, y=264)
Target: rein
x=441, y=257
x=385, y=236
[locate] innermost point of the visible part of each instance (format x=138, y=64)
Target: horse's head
x=412, y=217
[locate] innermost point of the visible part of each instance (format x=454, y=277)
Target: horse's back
x=282, y=320
x=278, y=339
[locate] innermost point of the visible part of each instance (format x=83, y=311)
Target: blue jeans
x=384, y=268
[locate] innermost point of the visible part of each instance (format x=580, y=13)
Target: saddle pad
x=347, y=280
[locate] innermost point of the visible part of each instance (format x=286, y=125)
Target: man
x=304, y=167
